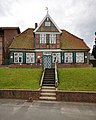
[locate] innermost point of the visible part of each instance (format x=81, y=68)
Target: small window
x=52, y=39
x=47, y=23
x=30, y=58
x=42, y=38
x=18, y=57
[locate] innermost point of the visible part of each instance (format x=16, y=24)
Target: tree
x=94, y=49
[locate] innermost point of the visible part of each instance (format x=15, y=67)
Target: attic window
x=47, y=23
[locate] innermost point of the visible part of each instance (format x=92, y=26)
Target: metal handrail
x=42, y=77
x=56, y=76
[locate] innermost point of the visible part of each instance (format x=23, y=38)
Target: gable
x=47, y=25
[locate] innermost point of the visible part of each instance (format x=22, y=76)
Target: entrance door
x=47, y=61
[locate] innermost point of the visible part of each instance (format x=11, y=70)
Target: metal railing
x=42, y=77
x=56, y=75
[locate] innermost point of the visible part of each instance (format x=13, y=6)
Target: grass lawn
x=20, y=78
x=77, y=79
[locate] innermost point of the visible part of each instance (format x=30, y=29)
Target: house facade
x=46, y=44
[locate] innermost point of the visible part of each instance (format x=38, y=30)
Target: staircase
x=49, y=77
x=48, y=90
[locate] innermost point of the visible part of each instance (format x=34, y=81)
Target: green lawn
x=20, y=78
x=77, y=79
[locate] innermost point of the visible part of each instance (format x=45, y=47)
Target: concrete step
x=48, y=94
x=48, y=98
x=48, y=87
x=48, y=90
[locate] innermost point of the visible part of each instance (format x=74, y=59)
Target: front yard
x=77, y=79
x=20, y=78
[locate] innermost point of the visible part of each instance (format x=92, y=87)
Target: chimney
x=36, y=25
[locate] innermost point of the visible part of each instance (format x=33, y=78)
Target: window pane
x=68, y=57
x=52, y=39
x=18, y=57
x=43, y=38
x=79, y=57
x=56, y=57
x=30, y=58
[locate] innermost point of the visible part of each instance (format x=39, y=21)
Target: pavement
x=11, y=109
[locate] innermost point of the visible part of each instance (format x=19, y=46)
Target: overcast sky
x=75, y=16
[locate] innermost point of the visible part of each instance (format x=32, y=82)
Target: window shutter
x=85, y=57
x=11, y=57
x=24, y=57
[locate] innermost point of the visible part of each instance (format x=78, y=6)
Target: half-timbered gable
x=47, y=34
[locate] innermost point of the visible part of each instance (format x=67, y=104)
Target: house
x=6, y=37
x=46, y=44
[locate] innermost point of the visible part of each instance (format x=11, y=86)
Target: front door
x=47, y=61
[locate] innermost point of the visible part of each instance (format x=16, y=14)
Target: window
x=18, y=57
x=79, y=57
x=52, y=39
x=30, y=58
x=43, y=38
x=47, y=23
x=68, y=57
x=56, y=57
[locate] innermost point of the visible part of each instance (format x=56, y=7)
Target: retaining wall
x=19, y=94
x=76, y=96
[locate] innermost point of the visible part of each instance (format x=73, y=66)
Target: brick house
x=47, y=43
x=6, y=37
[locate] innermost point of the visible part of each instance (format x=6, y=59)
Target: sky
x=76, y=16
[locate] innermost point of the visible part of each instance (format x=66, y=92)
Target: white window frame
x=68, y=57
x=57, y=57
x=30, y=57
x=52, y=38
x=42, y=38
x=79, y=57
x=18, y=57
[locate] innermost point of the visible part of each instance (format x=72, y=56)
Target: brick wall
x=25, y=66
x=20, y=94
x=74, y=65
x=72, y=96
x=8, y=38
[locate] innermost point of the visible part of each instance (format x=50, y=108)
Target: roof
x=70, y=41
x=10, y=28
x=25, y=40
x=48, y=16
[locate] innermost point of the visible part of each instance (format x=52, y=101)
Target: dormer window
x=42, y=38
x=52, y=39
